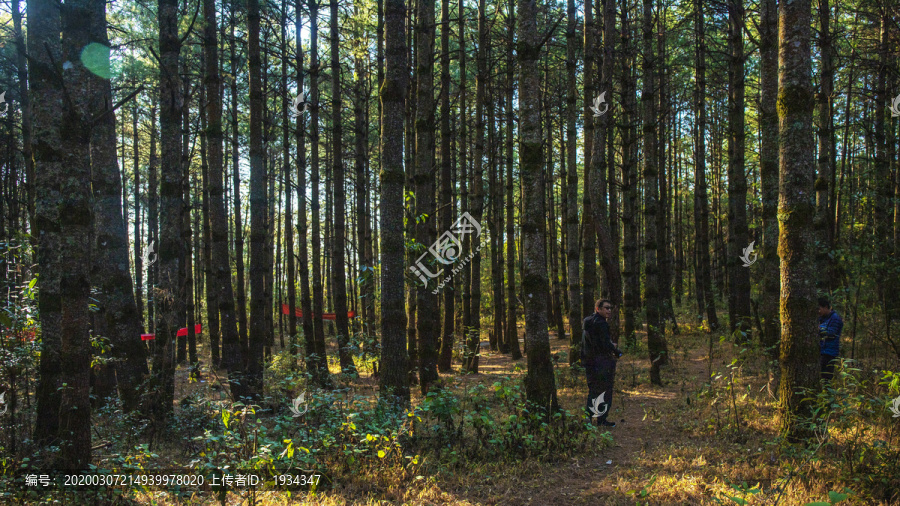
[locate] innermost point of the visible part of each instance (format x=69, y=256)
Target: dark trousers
x=826, y=362
x=601, y=372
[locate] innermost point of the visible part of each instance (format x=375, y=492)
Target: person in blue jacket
x=599, y=355
x=830, y=326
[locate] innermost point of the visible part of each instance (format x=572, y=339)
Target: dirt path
x=639, y=410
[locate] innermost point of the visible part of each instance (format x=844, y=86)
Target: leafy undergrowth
x=709, y=435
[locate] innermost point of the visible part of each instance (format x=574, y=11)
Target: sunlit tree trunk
x=796, y=209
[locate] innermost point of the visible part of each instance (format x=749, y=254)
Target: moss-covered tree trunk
x=796, y=209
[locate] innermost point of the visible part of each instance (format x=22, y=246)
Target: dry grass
x=674, y=444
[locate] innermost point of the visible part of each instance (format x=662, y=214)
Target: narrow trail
x=638, y=409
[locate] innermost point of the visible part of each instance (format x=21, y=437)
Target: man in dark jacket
x=830, y=326
x=599, y=355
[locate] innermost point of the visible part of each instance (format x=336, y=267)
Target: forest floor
x=665, y=450
x=710, y=425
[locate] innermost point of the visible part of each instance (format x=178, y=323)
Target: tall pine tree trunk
x=221, y=266
x=426, y=302
x=259, y=331
x=826, y=161
x=540, y=384
x=241, y=290
x=288, y=193
x=394, y=380
x=477, y=203
x=656, y=339
x=588, y=236
x=313, y=366
x=571, y=211
x=110, y=273
x=512, y=304
x=169, y=289
x=338, y=273
x=739, y=276
x=705, y=295
x=318, y=290
x=796, y=209
x=631, y=273
x=46, y=104
x=75, y=238
x=444, y=363
x=768, y=171
x=602, y=135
